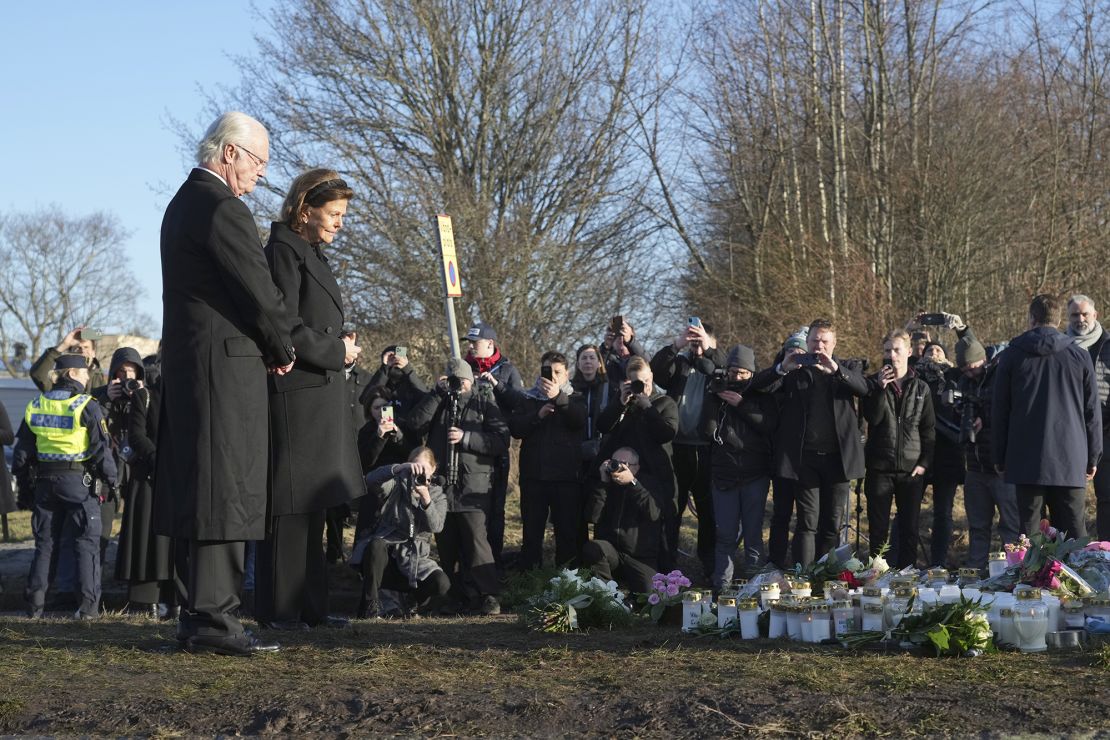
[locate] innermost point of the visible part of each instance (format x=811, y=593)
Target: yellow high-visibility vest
x=56, y=423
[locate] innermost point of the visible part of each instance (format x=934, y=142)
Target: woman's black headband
x=323, y=187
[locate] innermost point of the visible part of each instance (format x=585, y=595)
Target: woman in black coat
x=145, y=559
x=314, y=459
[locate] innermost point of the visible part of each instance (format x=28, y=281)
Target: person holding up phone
x=617, y=348
x=683, y=368
x=548, y=420
x=80, y=340
x=900, y=443
x=818, y=443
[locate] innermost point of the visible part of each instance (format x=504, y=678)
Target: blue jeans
x=738, y=510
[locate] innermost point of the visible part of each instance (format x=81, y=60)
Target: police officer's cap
x=70, y=362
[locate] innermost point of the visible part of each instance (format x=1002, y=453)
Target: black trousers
x=380, y=571
x=65, y=509
x=820, y=495
x=692, y=474
x=1066, y=508
x=906, y=491
x=561, y=501
x=495, y=519
x=608, y=563
x=464, y=552
x=291, y=572
x=333, y=525
x=782, y=510
x=215, y=570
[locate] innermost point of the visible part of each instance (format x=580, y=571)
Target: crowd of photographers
x=616, y=446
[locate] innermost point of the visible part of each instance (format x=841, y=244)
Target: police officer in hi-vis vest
x=62, y=446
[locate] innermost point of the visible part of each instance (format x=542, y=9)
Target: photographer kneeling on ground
x=395, y=551
x=626, y=511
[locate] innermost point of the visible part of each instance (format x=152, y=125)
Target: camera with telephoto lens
x=454, y=383
x=719, y=382
x=970, y=407
x=614, y=465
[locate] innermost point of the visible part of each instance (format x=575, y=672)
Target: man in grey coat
x=1047, y=421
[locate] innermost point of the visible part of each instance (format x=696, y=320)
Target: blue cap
x=70, y=361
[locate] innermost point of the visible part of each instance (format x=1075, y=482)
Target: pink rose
x=1048, y=530
x=653, y=599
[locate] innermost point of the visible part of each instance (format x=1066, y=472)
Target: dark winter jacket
x=485, y=439
x=948, y=452
x=551, y=448
x=793, y=391
x=1046, y=414
x=648, y=431
x=900, y=429
x=403, y=522
x=686, y=380
x=510, y=386
x=405, y=385
x=630, y=517
x=743, y=439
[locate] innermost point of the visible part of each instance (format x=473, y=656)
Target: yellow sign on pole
x=452, y=278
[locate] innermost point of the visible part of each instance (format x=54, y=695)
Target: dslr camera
x=614, y=465
x=970, y=406
x=719, y=382
x=454, y=383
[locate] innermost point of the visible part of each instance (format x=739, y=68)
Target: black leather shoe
x=292, y=626
x=240, y=646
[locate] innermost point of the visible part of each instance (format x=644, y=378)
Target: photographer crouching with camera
x=467, y=434
x=626, y=510
x=394, y=550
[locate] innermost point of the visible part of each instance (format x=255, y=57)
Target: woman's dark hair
x=600, y=360
x=313, y=188
x=373, y=394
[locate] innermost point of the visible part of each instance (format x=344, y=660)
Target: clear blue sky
x=88, y=93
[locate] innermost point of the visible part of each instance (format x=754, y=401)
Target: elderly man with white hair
x=224, y=326
x=1084, y=327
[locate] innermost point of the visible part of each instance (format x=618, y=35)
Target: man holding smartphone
x=80, y=340
x=818, y=442
x=548, y=420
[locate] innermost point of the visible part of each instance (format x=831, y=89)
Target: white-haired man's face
x=246, y=161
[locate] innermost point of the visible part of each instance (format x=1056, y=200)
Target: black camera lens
x=454, y=382
x=614, y=465
x=421, y=479
x=637, y=387
x=131, y=385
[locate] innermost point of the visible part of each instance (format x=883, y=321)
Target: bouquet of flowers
x=575, y=600
x=852, y=571
x=950, y=629
x=1041, y=561
x=666, y=590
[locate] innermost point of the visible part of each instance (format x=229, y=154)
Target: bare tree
x=512, y=116
x=58, y=271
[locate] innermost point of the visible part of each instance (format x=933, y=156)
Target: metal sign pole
x=452, y=279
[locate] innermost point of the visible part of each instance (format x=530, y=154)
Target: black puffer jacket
x=900, y=429
x=629, y=517
x=485, y=438
x=648, y=431
x=977, y=397
x=948, y=454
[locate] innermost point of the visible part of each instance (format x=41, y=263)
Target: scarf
x=1086, y=340
x=539, y=395
x=484, y=364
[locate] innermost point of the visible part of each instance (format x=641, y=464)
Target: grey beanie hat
x=460, y=369
x=742, y=356
x=969, y=350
